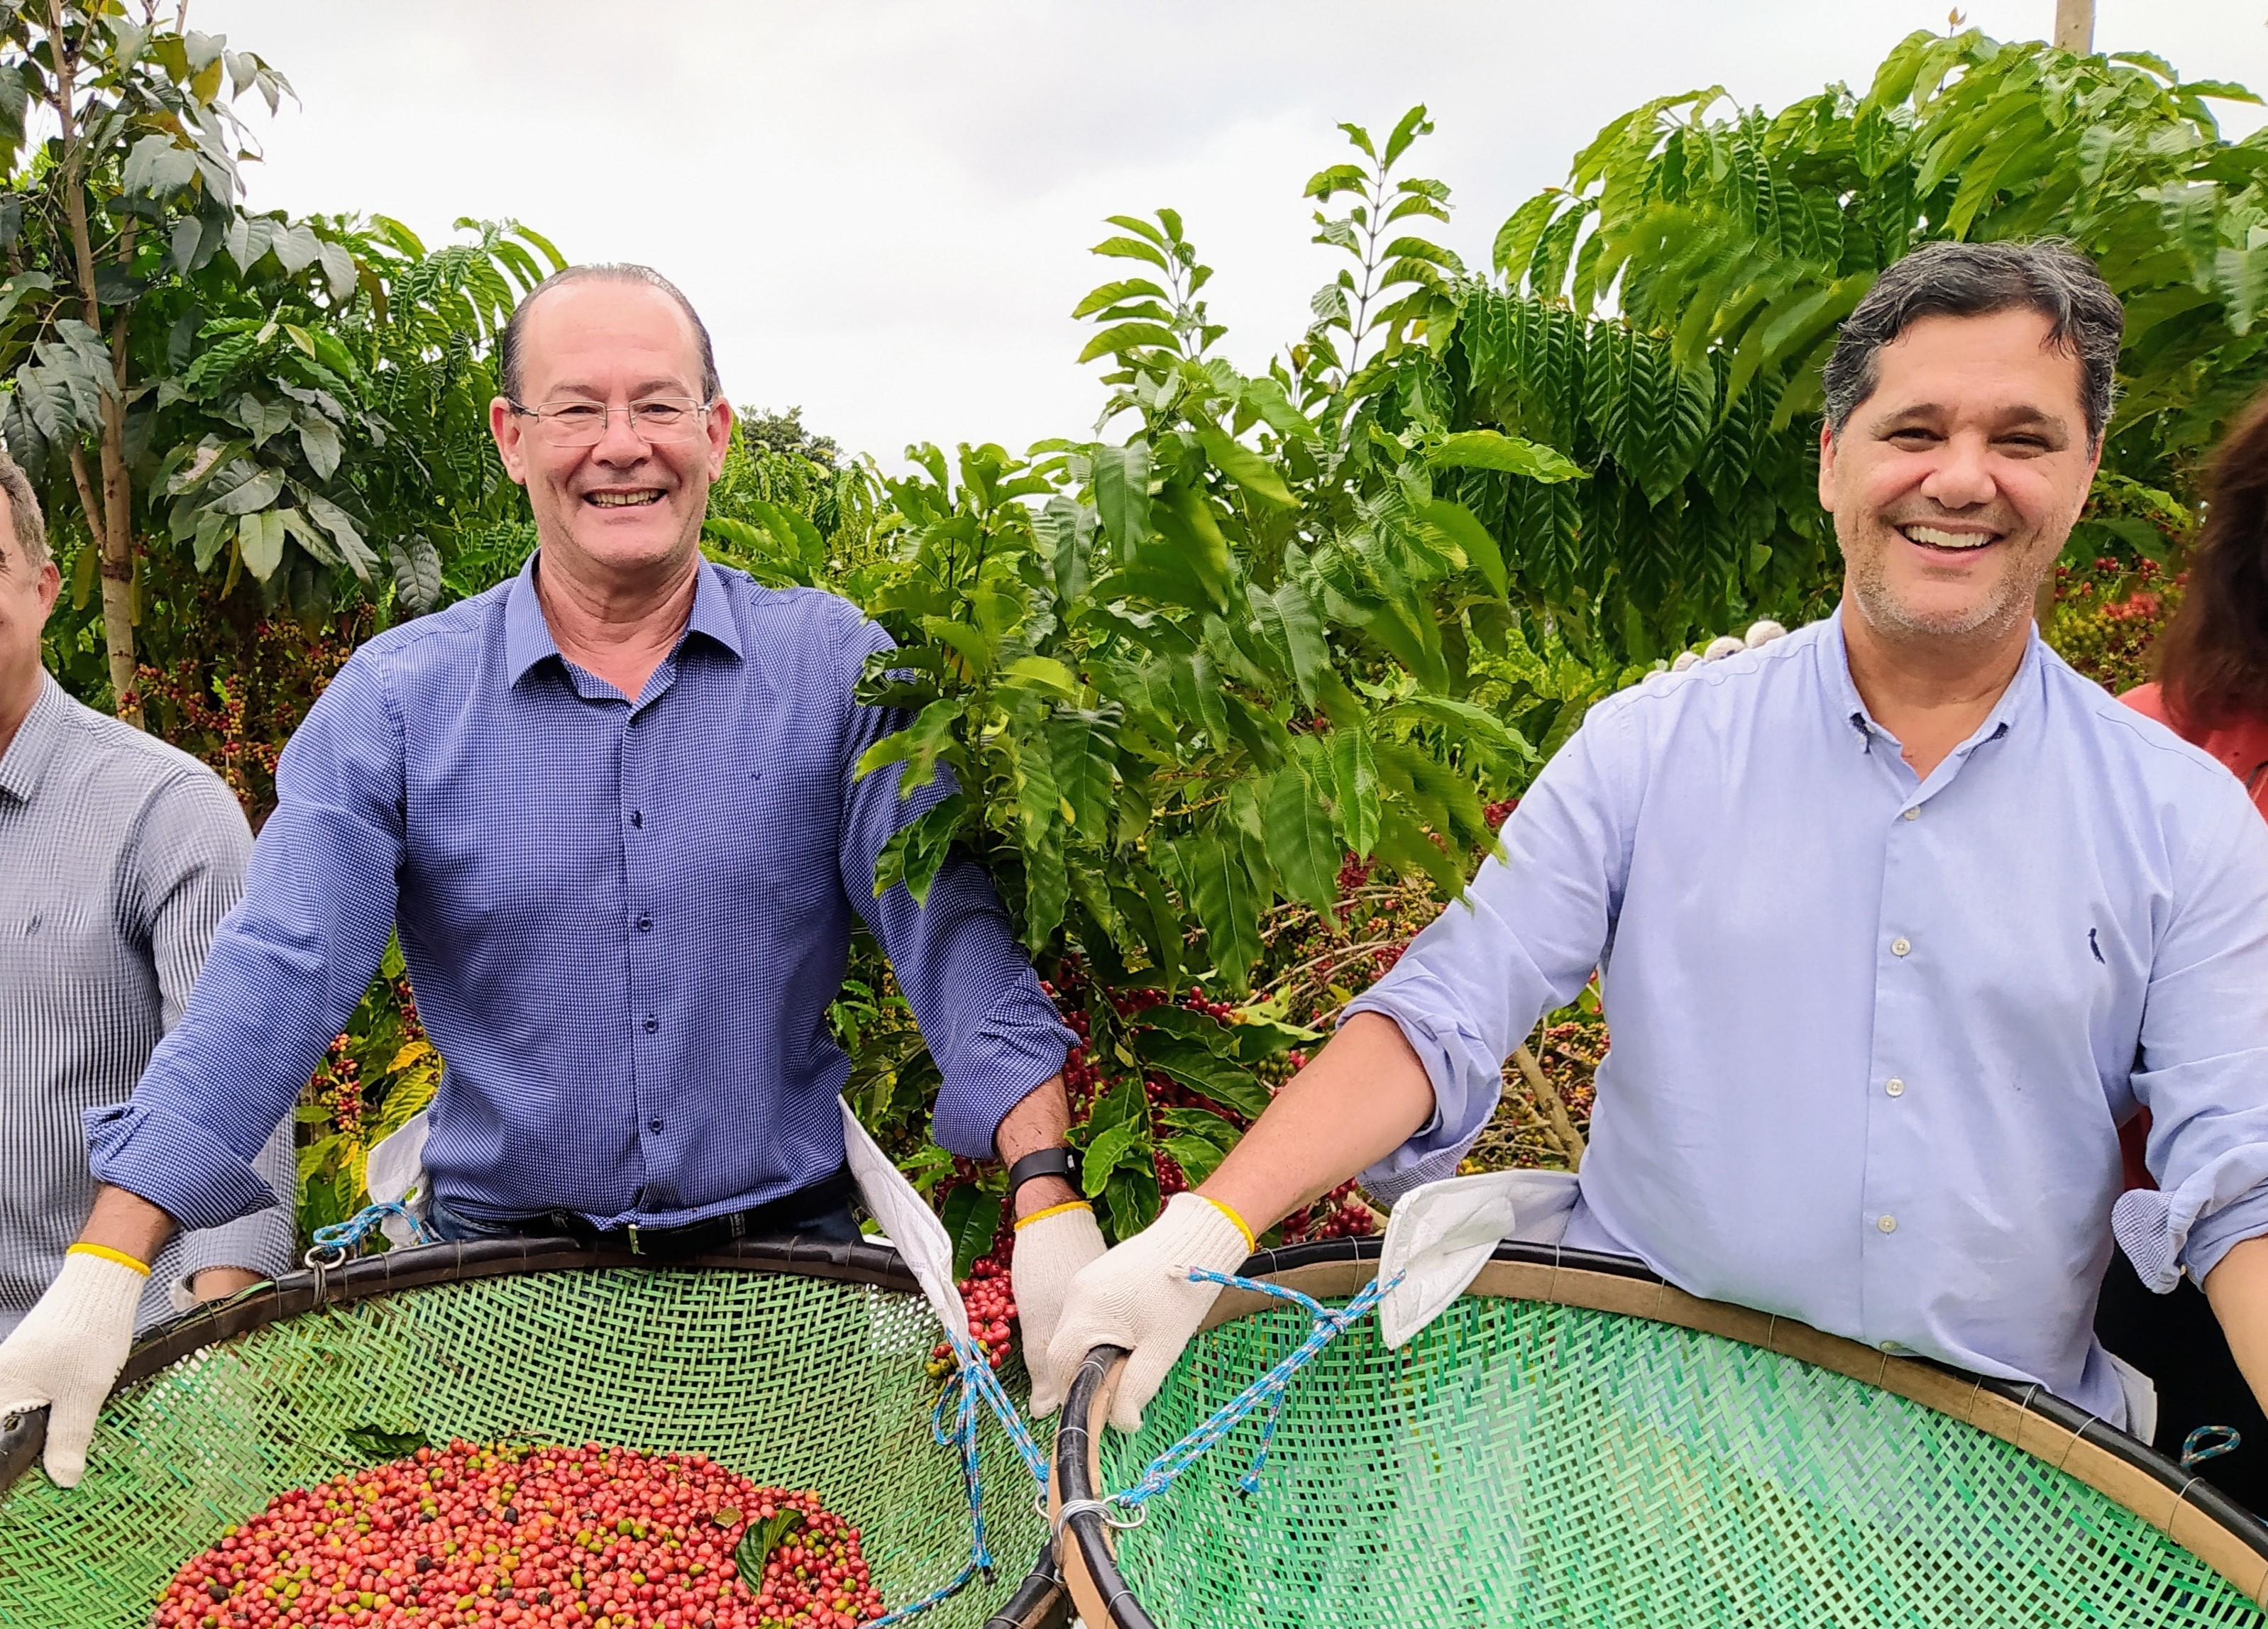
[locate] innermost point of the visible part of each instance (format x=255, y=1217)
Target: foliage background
x=1235, y=682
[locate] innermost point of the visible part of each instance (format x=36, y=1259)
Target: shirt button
x=653, y=1125
x=1899, y=947
x=1888, y=1223
x=637, y=817
x=1896, y=1087
x=1914, y=813
x=645, y=924
x=652, y=1024
x=1891, y=1346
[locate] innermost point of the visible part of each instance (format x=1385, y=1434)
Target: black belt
x=695, y=1239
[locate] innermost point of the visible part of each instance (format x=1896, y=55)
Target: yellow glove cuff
x=108, y=1254
x=1053, y=1210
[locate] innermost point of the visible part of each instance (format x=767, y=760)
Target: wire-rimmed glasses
x=579, y=423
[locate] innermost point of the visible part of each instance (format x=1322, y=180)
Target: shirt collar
x=37, y=737
x=528, y=639
x=2016, y=703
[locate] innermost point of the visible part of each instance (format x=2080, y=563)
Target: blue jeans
x=833, y=1224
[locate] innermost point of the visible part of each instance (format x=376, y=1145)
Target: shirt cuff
x=1461, y=1104
x=174, y=1163
x=2193, y=1226
x=1020, y=1044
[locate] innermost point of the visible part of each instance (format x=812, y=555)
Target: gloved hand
x=68, y=1350
x=1053, y=1246
x=1139, y=1296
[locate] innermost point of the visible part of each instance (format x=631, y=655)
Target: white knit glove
x=68, y=1350
x=1053, y=1247
x=1139, y=1296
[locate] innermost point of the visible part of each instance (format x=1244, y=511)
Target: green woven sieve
x=1644, y=1459
x=798, y=1365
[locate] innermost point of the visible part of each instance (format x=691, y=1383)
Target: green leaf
x=916, y=851
x=1198, y=1157
x=256, y=491
x=1463, y=528
x=761, y=1539
x=971, y=1217
x=1247, y=468
x=1130, y=249
x=1196, y=1067
x=1083, y=779
x=1256, y=1039
x=1042, y=675
x=1354, y=774
x=1301, y=844
x=1488, y=448
x=1121, y=495
x=1126, y=337
x=260, y=540
x=377, y=1442
x=1204, y=1124
x=1110, y=1149
x=416, y=573
x=1220, y=885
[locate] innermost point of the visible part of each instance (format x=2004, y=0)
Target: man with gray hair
x=1898, y=918
x=615, y=809
x=119, y=856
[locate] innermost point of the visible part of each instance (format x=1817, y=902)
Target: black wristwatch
x=1047, y=1163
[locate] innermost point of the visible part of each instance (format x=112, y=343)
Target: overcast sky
x=883, y=207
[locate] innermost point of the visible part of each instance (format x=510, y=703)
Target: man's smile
x=630, y=499
x=1947, y=540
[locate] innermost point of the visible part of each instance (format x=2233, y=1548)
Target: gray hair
x=508, y=347
x=28, y=523
x=2085, y=319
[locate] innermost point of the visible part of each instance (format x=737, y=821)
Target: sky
x=883, y=208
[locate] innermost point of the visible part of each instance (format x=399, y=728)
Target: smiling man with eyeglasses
x=613, y=809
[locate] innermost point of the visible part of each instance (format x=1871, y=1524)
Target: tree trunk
x=2074, y=26
x=110, y=514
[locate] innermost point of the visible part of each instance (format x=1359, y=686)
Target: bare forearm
x=1357, y=1102
x=127, y=1223
x=2238, y=1290
x=1041, y=1120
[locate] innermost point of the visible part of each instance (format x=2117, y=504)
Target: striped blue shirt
x=624, y=921
x=1874, y=1036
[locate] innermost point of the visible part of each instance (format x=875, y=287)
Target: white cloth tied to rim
x=1441, y=1234
x=908, y=1222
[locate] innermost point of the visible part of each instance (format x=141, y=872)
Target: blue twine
x=2210, y=1443
x=345, y=1235
x=1271, y=1390
x=973, y=1383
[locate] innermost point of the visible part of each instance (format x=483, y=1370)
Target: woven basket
x=794, y=1362
x=1574, y=1442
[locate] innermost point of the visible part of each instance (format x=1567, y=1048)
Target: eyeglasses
x=584, y=423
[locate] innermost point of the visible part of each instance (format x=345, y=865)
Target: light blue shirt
x=1873, y=1038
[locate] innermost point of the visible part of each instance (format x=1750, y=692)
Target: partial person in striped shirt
x=615, y=809
x=119, y=855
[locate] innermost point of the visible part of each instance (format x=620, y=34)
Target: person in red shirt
x=2211, y=689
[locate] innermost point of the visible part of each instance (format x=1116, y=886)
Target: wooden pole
x=2074, y=26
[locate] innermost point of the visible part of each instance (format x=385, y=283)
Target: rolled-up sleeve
x=286, y=968
x=992, y=1030
x=2203, y=1070
x=1523, y=941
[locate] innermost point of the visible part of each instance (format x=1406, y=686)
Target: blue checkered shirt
x=624, y=921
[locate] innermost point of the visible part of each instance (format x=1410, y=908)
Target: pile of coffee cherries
x=989, y=1298
x=505, y=1535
